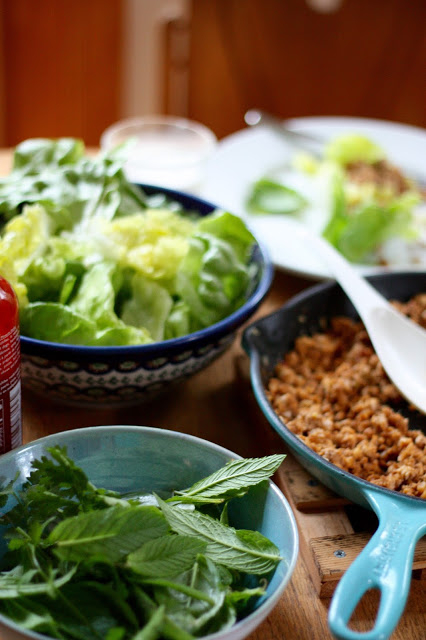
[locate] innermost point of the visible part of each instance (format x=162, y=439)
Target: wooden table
x=216, y=404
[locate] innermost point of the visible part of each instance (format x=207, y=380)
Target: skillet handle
x=385, y=563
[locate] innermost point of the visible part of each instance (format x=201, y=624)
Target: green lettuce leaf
x=96, y=294
x=268, y=196
x=356, y=231
x=214, y=278
x=56, y=173
x=353, y=147
x=178, y=322
x=56, y=322
x=149, y=307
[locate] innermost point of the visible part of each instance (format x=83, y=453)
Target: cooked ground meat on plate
x=332, y=392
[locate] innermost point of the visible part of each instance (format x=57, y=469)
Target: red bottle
x=10, y=370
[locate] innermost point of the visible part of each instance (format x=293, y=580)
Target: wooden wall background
x=368, y=59
x=61, y=69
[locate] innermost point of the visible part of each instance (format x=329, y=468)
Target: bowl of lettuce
x=122, y=288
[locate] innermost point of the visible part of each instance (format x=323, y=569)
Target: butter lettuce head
x=152, y=243
x=97, y=262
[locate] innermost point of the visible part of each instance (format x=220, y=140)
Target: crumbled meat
x=332, y=392
x=380, y=173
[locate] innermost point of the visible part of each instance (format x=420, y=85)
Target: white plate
x=245, y=156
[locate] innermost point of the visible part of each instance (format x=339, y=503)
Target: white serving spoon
x=399, y=342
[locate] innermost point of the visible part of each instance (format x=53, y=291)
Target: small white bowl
x=162, y=150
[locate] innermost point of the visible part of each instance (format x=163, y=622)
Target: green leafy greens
x=269, y=196
x=353, y=196
x=96, y=261
x=85, y=563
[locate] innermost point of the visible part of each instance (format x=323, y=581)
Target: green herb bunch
x=85, y=563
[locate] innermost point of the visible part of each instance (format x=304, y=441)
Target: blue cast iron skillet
x=386, y=562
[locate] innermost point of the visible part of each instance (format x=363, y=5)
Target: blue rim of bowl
x=216, y=330
x=265, y=607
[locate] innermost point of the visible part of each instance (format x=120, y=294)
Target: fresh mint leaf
x=152, y=629
x=17, y=583
x=86, y=611
x=111, y=533
x=235, y=549
x=114, y=600
x=116, y=633
x=224, y=619
x=181, y=588
x=100, y=566
x=166, y=557
x=146, y=604
x=232, y=480
x=183, y=605
x=30, y=615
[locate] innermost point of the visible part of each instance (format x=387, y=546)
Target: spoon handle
x=363, y=295
x=395, y=337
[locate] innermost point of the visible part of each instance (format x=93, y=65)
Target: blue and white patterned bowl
x=123, y=376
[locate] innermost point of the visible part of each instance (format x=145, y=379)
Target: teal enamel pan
x=386, y=562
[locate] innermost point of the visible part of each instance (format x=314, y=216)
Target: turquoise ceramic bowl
x=128, y=458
